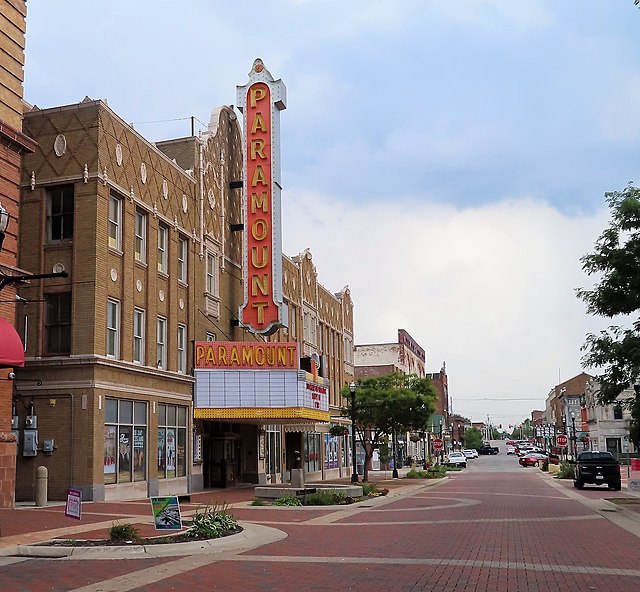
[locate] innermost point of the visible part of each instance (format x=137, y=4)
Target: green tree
x=472, y=438
x=615, y=261
x=390, y=404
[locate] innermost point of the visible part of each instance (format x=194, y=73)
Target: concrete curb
x=252, y=536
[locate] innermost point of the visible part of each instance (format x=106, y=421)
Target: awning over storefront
x=11, y=348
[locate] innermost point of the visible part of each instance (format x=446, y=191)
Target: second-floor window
x=182, y=349
x=113, y=328
x=138, y=336
x=163, y=235
x=141, y=237
x=115, y=222
x=161, y=343
x=617, y=412
x=58, y=323
x=60, y=212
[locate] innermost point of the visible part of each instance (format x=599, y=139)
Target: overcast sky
x=445, y=159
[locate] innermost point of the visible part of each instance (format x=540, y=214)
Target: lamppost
x=442, y=449
x=423, y=435
x=573, y=427
x=352, y=390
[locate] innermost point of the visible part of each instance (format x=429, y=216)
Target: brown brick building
x=148, y=234
x=13, y=144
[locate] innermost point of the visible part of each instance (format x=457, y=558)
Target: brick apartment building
x=150, y=236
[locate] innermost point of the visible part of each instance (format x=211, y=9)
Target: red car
x=535, y=459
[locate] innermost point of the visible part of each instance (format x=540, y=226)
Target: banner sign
x=166, y=513
x=73, y=507
x=260, y=101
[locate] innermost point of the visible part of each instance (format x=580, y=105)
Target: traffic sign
x=438, y=444
x=562, y=440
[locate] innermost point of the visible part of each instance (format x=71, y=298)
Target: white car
x=470, y=453
x=457, y=459
x=511, y=449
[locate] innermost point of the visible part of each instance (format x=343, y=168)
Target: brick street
x=493, y=527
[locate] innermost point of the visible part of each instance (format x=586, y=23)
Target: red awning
x=11, y=348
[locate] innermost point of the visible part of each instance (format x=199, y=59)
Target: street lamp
x=573, y=427
x=423, y=435
x=4, y=222
x=352, y=390
x=441, y=449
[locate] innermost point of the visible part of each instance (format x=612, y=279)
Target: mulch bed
x=181, y=537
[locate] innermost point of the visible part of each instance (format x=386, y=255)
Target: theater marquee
x=260, y=101
x=256, y=380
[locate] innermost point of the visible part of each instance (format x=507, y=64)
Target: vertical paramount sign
x=260, y=101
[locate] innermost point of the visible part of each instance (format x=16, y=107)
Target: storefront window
x=272, y=449
x=125, y=441
x=330, y=451
x=311, y=452
x=172, y=441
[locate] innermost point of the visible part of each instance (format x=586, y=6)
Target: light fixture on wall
x=4, y=222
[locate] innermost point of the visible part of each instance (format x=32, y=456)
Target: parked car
x=487, y=450
x=534, y=459
x=470, y=453
x=597, y=468
x=457, y=459
x=511, y=449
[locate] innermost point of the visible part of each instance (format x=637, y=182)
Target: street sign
x=438, y=444
x=562, y=440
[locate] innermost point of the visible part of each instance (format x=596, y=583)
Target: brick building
x=13, y=145
x=149, y=235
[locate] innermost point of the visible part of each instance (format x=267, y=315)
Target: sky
x=447, y=160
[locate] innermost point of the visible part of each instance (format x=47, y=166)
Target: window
x=161, y=342
x=172, y=441
x=125, y=441
x=113, y=328
x=272, y=449
x=617, y=412
x=141, y=237
x=58, y=323
x=292, y=323
x=138, y=336
x=182, y=349
x=311, y=452
x=60, y=212
x=115, y=222
x=163, y=234
x=182, y=259
x=211, y=273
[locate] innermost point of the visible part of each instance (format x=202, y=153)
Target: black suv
x=597, y=468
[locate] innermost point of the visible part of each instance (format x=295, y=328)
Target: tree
x=386, y=405
x=616, y=262
x=472, y=438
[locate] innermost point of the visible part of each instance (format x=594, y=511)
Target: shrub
x=566, y=471
x=431, y=473
x=213, y=523
x=369, y=488
x=259, y=502
x=325, y=498
x=287, y=500
x=121, y=533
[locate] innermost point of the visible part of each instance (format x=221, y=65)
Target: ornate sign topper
x=260, y=101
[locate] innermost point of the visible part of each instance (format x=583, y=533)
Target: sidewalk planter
x=554, y=469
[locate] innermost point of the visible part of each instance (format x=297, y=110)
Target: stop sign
x=438, y=444
x=562, y=440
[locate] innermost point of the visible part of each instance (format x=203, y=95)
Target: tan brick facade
x=182, y=186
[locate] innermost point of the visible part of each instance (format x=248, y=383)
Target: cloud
x=488, y=289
